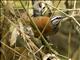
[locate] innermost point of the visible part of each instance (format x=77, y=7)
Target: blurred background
x=17, y=30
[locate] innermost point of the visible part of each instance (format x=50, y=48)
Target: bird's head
x=55, y=22
x=56, y=19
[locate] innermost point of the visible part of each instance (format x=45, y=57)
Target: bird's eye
x=56, y=17
x=43, y=7
x=56, y=20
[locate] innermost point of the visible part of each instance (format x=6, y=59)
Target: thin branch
x=69, y=40
x=39, y=49
x=74, y=8
x=12, y=49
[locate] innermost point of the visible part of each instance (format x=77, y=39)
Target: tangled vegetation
x=17, y=34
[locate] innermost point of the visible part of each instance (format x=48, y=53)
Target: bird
x=52, y=26
x=40, y=19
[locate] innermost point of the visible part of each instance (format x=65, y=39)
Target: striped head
x=56, y=19
x=55, y=23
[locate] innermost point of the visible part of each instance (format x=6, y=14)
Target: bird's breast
x=43, y=23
